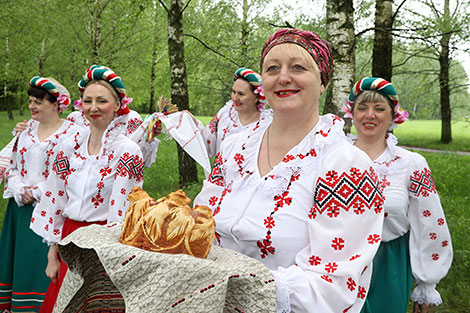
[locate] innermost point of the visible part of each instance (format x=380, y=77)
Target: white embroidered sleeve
x=47, y=219
x=149, y=151
x=332, y=274
x=430, y=242
x=209, y=134
x=14, y=185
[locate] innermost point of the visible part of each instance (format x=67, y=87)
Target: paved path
x=435, y=150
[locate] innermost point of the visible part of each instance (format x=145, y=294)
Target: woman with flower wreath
x=416, y=243
x=92, y=174
x=293, y=193
x=23, y=282
x=243, y=111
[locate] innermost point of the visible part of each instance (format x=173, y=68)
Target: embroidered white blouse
x=412, y=204
x=225, y=123
x=315, y=220
x=88, y=188
x=133, y=121
x=31, y=160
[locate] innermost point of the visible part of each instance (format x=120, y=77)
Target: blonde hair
x=295, y=51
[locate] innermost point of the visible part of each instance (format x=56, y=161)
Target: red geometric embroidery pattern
x=61, y=166
x=133, y=124
x=355, y=190
x=421, y=183
x=131, y=166
x=216, y=176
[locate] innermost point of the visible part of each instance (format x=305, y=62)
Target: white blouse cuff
x=426, y=294
x=18, y=192
x=283, y=291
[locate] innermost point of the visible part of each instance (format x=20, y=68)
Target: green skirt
x=23, y=261
x=391, y=282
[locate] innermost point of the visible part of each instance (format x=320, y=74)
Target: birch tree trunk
x=340, y=30
x=151, y=107
x=179, y=85
x=42, y=57
x=382, y=51
x=444, y=62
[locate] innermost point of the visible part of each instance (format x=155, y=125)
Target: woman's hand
x=156, y=130
x=420, y=308
x=53, y=263
x=20, y=126
x=27, y=197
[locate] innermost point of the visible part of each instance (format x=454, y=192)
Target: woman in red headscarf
x=293, y=193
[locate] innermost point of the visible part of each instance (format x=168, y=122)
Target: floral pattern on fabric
x=89, y=188
x=270, y=218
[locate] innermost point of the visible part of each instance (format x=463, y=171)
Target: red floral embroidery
x=373, y=238
x=269, y=222
x=97, y=200
x=120, y=212
x=337, y=243
x=48, y=193
x=213, y=200
x=445, y=243
x=331, y=267
x=61, y=193
x=351, y=284
x=280, y=200
x=123, y=191
x=58, y=212
x=112, y=202
x=361, y=292
x=426, y=213
x=435, y=256
x=314, y=260
x=105, y=171
x=440, y=221
x=433, y=236
x=239, y=158
x=56, y=232
x=43, y=213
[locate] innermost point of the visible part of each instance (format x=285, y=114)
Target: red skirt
x=53, y=291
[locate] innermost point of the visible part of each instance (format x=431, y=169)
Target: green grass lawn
x=451, y=174
x=427, y=134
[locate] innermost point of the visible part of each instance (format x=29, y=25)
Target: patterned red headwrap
x=319, y=49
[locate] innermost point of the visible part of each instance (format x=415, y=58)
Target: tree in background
x=340, y=29
x=179, y=85
x=443, y=32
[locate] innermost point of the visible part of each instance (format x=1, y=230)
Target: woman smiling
x=92, y=173
x=293, y=193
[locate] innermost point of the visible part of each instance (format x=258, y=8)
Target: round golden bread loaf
x=168, y=225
